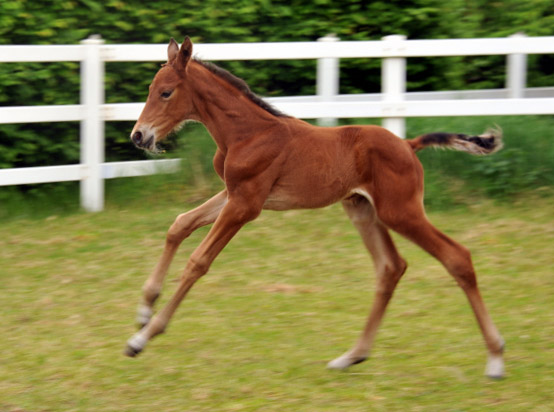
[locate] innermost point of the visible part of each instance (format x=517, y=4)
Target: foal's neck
x=228, y=114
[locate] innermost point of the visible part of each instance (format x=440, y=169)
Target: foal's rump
x=396, y=174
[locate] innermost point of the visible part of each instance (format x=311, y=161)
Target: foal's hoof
x=495, y=363
x=131, y=352
x=495, y=367
x=344, y=361
x=144, y=313
x=135, y=345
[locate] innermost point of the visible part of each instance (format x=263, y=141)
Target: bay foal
x=268, y=160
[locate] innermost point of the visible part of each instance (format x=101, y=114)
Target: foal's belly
x=306, y=194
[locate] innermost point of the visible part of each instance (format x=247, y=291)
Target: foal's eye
x=166, y=94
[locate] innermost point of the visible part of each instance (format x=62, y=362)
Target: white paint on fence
x=327, y=80
x=113, y=170
x=516, y=77
x=44, y=174
x=393, y=104
x=92, y=126
x=393, y=84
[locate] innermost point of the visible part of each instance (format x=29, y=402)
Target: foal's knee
x=178, y=231
x=395, y=271
x=196, y=268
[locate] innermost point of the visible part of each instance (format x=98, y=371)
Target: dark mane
x=241, y=86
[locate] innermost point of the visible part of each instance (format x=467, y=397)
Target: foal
x=272, y=161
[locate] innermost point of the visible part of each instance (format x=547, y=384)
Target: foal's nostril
x=137, y=137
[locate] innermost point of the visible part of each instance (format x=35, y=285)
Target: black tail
x=487, y=143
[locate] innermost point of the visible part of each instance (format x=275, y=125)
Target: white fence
x=393, y=104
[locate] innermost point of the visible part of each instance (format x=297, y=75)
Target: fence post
x=393, y=83
x=92, y=125
x=516, y=76
x=327, y=80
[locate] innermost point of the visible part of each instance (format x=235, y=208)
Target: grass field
x=289, y=293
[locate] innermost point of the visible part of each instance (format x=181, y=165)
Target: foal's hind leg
x=183, y=226
x=389, y=267
x=457, y=260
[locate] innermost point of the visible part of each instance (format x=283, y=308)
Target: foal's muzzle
x=141, y=141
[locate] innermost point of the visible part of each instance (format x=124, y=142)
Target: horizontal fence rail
x=340, y=49
x=290, y=50
x=69, y=173
x=393, y=104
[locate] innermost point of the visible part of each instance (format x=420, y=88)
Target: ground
x=289, y=293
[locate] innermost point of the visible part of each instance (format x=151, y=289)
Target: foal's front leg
x=183, y=226
x=234, y=215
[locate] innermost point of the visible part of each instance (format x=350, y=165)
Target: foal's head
x=169, y=103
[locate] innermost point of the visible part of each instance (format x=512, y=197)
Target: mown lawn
x=289, y=293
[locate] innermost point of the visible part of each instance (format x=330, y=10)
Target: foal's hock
x=269, y=160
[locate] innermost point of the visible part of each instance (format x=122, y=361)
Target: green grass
x=288, y=294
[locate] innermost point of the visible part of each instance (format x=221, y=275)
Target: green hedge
x=122, y=21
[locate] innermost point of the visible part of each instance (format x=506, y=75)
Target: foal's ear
x=185, y=53
x=172, y=50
